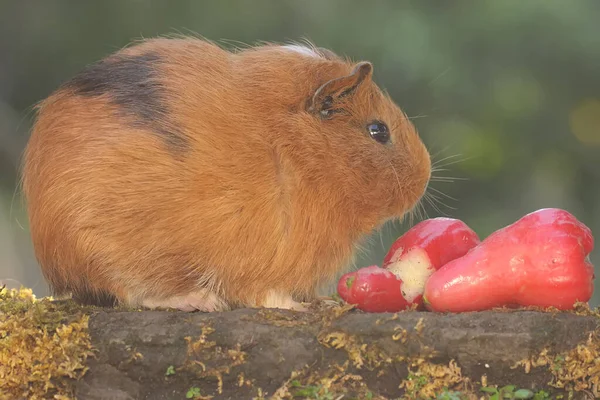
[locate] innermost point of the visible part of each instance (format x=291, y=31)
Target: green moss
x=575, y=370
x=43, y=346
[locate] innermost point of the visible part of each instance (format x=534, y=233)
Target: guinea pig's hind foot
x=200, y=300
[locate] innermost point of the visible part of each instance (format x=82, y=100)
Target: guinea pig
x=175, y=173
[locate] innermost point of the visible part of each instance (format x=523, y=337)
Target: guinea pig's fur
x=174, y=173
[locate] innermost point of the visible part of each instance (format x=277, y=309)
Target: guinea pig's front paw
x=276, y=299
x=199, y=300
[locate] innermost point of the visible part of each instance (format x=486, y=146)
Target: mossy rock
x=43, y=346
x=58, y=350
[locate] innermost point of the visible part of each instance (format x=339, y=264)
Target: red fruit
x=423, y=249
x=345, y=284
x=540, y=260
x=372, y=289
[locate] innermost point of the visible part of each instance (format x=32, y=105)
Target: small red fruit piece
x=425, y=248
x=540, y=260
x=372, y=289
x=345, y=284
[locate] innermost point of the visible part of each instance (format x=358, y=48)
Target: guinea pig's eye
x=379, y=131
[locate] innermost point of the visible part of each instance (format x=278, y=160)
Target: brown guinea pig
x=176, y=174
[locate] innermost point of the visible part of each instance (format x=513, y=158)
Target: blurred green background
x=508, y=90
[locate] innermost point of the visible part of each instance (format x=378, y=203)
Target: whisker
x=423, y=210
x=446, y=179
x=455, y=162
x=381, y=237
x=442, y=193
x=433, y=205
x=439, y=201
x=440, y=75
x=392, y=226
x=434, y=175
x=434, y=201
x=416, y=215
x=418, y=211
x=445, y=158
x=417, y=116
x=434, y=156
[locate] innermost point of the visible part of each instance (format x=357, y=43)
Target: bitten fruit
x=425, y=248
x=540, y=260
x=412, y=258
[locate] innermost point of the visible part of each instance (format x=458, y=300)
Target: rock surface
x=246, y=354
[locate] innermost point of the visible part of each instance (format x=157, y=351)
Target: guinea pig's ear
x=327, y=98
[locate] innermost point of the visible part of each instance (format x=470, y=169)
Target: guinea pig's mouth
x=414, y=210
x=433, y=198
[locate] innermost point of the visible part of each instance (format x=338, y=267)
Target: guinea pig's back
x=125, y=155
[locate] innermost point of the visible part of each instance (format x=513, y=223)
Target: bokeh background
x=505, y=93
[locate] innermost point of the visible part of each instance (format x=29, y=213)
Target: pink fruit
x=540, y=260
x=372, y=289
x=425, y=248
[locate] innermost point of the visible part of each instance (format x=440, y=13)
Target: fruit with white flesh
x=425, y=248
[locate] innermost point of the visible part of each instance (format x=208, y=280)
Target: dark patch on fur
x=131, y=82
x=99, y=299
x=84, y=295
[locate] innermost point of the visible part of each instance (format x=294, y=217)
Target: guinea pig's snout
x=427, y=171
x=421, y=175
x=423, y=165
